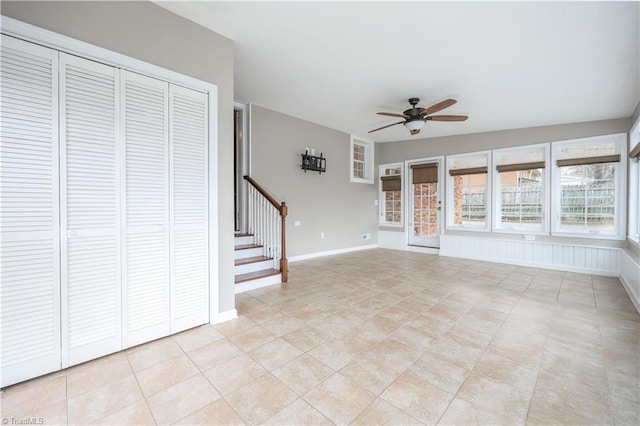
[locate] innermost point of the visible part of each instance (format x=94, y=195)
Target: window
x=634, y=184
x=361, y=160
x=520, y=188
x=589, y=186
x=468, y=195
x=391, y=194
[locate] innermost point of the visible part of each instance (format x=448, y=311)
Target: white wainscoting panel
x=630, y=276
x=565, y=257
x=392, y=239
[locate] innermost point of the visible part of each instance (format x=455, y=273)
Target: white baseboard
x=331, y=252
x=630, y=277
x=225, y=316
x=563, y=257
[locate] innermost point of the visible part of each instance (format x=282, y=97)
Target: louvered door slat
x=90, y=183
x=146, y=258
x=29, y=212
x=189, y=208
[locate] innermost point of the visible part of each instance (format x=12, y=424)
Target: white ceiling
x=509, y=65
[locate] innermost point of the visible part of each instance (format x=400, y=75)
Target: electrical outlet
x=322, y=235
x=296, y=223
x=375, y=202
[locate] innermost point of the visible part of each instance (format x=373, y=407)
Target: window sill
x=391, y=224
x=633, y=242
x=520, y=231
x=466, y=228
x=360, y=180
x=589, y=235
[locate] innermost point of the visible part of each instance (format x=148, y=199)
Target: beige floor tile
x=105, y=400
x=134, y=414
x=164, y=375
x=416, y=338
x=233, y=374
x=251, y=338
x=96, y=373
x=305, y=338
x=625, y=412
x=506, y=371
x=264, y=313
x=235, y=325
x=197, y=337
x=214, y=354
x=21, y=399
x=380, y=412
x=588, y=400
x=216, y=413
x=298, y=413
x=261, y=399
x=181, y=400
x=283, y=325
x=41, y=413
x=150, y=354
x=502, y=399
x=381, y=324
x=421, y=400
x=443, y=374
x=457, y=350
x=274, y=354
x=302, y=373
x=335, y=353
x=461, y=412
x=368, y=372
x=339, y=399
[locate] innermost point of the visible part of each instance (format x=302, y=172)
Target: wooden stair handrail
x=264, y=193
x=283, y=210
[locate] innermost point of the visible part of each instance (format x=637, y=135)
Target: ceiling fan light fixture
x=414, y=125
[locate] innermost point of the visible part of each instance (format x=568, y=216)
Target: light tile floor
x=375, y=337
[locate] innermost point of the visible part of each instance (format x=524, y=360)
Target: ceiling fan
x=416, y=117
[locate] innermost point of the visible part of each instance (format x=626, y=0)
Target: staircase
x=252, y=268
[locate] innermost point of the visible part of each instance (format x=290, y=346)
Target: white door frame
x=409, y=191
x=242, y=164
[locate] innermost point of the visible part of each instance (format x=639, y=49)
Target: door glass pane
x=425, y=210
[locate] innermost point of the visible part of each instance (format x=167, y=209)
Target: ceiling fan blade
x=447, y=117
x=438, y=107
x=392, y=114
x=384, y=127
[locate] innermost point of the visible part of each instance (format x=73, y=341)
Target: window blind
x=425, y=173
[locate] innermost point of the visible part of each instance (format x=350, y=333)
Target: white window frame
x=497, y=208
x=381, y=196
x=450, y=196
x=634, y=188
x=369, y=153
x=619, y=232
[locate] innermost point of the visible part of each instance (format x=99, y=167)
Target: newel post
x=284, y=263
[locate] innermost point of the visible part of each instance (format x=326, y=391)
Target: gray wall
x=391, y=152
x=325, y=202
x=148, y=32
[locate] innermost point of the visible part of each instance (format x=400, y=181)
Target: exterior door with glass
x=425, y=203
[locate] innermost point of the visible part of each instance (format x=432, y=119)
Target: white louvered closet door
x=29, y=219
x=146, y=313
x=189, y=208
x=90, y=210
